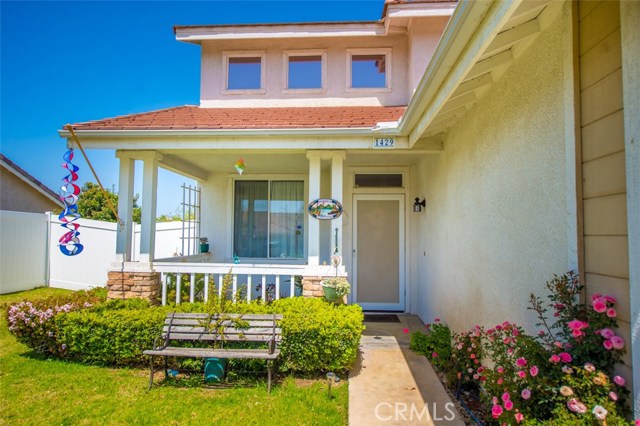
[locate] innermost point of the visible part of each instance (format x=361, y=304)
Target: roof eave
x=197, y=34
x=472, y=25
x=150, y=133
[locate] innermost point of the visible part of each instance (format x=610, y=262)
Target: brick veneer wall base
x=129, y=285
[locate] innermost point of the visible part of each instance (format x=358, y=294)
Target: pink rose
x=613, y=396
x=521, y=362
x=611, y=299
x=506, y=396
x=519, y=417
x=575, y=325
x=405, y=330
x=525, y=394
x=576, y=406
x=500, y=370
x=619, y=380
x=496, y=411
x=554, y=359
x=618, y=342
x=565, y=357
x=522, y=374
x=533, y=371
x=434, y=355
x=611, y=313
x=607, y=333
x=500, y=381
x=541, y=333
x=577, y=334
x=436, y=319
x=595, y=297
x=608, y=345
x=590, y=367
x=600, y=305
x=508, y=405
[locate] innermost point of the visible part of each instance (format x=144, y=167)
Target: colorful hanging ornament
x=69, y=243
x=240, y=166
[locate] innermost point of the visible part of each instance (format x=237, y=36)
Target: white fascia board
x=472, y=27
x=224, y=140
x=197, y=34
x=420, y=10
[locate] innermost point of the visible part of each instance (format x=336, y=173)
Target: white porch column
x=149, y=201
x=313, y=248
x=337, y=160
x=125, y=208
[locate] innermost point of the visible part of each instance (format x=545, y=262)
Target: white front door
x=378, y=252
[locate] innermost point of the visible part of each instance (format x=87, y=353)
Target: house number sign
x=384, y=142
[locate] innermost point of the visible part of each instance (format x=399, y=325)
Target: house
x=517, y=122
x=21, y=192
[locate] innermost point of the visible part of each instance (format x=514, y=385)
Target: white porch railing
x=250, y=281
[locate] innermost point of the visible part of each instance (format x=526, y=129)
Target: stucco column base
x=134, y=285
x=311, y=287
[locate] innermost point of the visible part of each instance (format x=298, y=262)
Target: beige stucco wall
x=424, y=35
x=16, y=195
x=212, y=74
x=495, y=227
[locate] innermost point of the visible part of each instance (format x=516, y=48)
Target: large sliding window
x=269, y=219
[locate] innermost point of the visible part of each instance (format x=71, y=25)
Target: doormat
x=381, y=318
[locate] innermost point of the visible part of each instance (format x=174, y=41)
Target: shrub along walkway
x=391, y=385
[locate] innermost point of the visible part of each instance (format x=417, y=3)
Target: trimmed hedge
x=317, y=336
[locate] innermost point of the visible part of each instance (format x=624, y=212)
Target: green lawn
x=39, y=391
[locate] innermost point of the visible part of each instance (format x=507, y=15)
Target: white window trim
x=244, y=54
x=230, y=218
x=311, y=52
x=388, y=67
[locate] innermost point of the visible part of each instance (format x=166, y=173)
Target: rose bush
x=561, y=376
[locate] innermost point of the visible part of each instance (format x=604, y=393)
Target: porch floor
x=391, y=385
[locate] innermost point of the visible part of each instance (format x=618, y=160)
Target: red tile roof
x=193, y=117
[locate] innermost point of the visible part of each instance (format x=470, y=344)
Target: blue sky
x=66, y=62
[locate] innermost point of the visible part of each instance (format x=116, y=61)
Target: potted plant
x=335, y=288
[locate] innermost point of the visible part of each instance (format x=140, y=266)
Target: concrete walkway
x=391, y=385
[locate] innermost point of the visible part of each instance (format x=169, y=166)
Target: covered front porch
x=260, y=232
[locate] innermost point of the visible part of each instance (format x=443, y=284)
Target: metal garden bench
x=218, y=330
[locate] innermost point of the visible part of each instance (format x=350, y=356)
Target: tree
x=92, y=204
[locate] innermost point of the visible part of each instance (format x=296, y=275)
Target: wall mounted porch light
x=418, y=205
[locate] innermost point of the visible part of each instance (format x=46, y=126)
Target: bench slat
x=197, y=322
x=227, y=337
x=188, y=315
x=227, y=330
x=214, y=353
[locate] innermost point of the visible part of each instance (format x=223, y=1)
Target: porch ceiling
x=259, y=162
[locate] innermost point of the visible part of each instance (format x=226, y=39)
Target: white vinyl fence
x=30, y=256
x=23, y=251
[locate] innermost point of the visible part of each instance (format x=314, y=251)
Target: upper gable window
x=244, y=72
x=369, y=69
x=305, y=70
